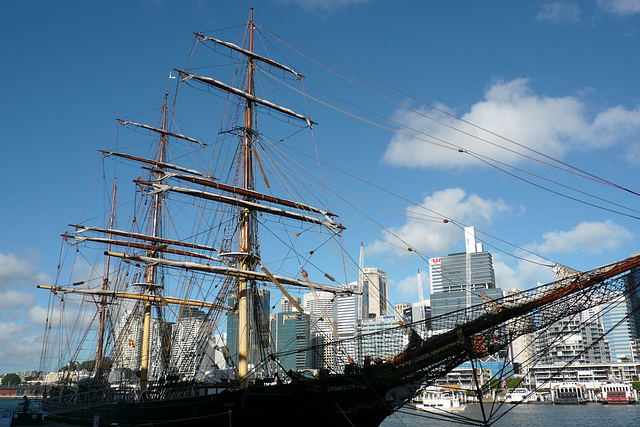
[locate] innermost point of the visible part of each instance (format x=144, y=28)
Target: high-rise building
x=128, y=346
x=452, y=273
x=286, y=306
x=462, y=279
x=291, y=334
x=320, y=307
x=575, y=338
x=621, y=337
x=375, y=345
x=376, y=284
x=348, y=318
x=259, y=340
x=191, y=342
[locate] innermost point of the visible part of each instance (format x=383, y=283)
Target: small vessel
x=33, y=415
x=618, y=394
x=434, y=399
x=569, y=393
x=518, y=395
x=170, y=301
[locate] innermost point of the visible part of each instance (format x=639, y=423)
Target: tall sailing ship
x=182, y=333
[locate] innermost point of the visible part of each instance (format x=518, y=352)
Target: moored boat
x=618, y=394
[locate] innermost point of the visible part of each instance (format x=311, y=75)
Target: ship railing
x=67, y=399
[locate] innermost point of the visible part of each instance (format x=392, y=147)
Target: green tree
x=11, y=379
x=514, y=382
x=88, y=365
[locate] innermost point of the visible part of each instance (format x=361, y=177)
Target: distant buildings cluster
x=299, y=339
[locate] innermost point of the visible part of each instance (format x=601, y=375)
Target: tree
x=11, y=379
x=88, y=365
x=514, y=382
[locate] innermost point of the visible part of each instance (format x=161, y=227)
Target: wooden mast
x=151, y=269
x=103, y=300
x=246, y=226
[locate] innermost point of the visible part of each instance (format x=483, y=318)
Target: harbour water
x=589, y=415
x=549, y=415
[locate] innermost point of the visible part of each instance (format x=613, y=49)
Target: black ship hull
x=336, y=401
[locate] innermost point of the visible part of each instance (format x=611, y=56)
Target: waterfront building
x=462, y=377
x=376, y=284
x=573, y=339
x=591, y=374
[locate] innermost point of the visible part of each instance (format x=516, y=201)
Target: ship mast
x=151, y=270
x=103, y=302
x=246, y=223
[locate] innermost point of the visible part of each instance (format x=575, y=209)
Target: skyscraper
x=291, y=334
x=320, y=307
x=621, y=338
x=259, y=339
x=462, y=279
x=375, y=281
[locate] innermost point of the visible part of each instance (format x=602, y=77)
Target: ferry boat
x=518, y=395
x=568, y=393
x=618, y=394
x=446, y=400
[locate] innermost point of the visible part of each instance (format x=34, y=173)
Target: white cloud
x=13, y=299
x=524, y=275
x=438, y=237
x=16, y=270
x=409, y=286
x=592, y=237
x=24, y=351
x=559, y=12
x=554, y=126
x=620, y=7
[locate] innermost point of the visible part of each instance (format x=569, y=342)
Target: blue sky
x=557, y=77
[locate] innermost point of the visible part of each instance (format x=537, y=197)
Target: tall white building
x=192, y=343
x=376, y=283
x=128, y=346
x=320, y=307
x=348, y=318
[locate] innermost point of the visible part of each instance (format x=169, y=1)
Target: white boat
x=618, y=394
x=518, y=395
x=568, y=393
x=433, y=400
